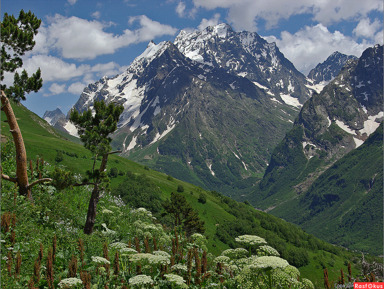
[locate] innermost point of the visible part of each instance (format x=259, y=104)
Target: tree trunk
x=92, y=207
x=21, y=154
x=95, y=197
x=91, y=214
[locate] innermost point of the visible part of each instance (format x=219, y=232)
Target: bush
x=180, y=188
x=59, y=156
x=113, y=172
x=202, y=198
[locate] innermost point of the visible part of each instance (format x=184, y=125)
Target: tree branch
x=40, y=181
x=114, y=152
x=83, y=184
x=8, y=178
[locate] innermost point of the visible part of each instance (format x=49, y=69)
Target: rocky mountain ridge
x=205, y=116
x=326, y=71
x=329, y=125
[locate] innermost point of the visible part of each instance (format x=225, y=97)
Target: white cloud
x=180, y=9
x=55, y=89
x=79, y=38
x=245, y=14
x=150, y=29
x=312, y=45
x=82, y=39
x=96, y=14
x=76, y=88
x=331, y=11
x=367, y=29
x=209, y=22
x=72, y=2
x=54, y=69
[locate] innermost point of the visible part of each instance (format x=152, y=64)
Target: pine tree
x=94, y=130
x=17, y=37
x=184, y=216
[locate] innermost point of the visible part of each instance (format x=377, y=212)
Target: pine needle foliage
x=17, y=37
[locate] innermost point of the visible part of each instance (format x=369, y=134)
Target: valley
x=234, y=170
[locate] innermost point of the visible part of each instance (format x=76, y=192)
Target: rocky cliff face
x=248, y=55
x=326, y=175
x=330, y=68
x=329, y=125
x=52, y=117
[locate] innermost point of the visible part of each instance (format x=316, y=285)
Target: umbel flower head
x=70, y=283
x=118, y=245
x=251, y=240
x=268, y=262
x=266, y=250
x=235, y=254
x=140, y=280
x=100, y=260
x=176, y=279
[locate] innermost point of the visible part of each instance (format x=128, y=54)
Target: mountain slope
x=202, y=122
x=224, y=218
x=330, y=68
x=330, y=125
x=248, y=55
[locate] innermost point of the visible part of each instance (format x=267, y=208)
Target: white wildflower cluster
x=100, y=260
x=200, y=241
x=162, y=253
x=307, y=284
x=179, y=268
x=141, y=212
x=292, y=271
x=222, y=259
x=268, y=262
x=284, y=280
x=117, y=200
x=127, y=251
x=164, y=240
x=106, y=212
x=235, y=254
x=267, y=250
x=140, y=257
x=176, y=279
x=151, y=258
x=70, y=283
x=107, y=231
x=251, y=240
x=118, y=246
x=159, y=259
x=140, y=280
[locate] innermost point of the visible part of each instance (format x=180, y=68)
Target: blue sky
x=81, y=41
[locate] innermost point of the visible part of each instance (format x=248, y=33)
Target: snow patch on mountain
x=164, y=133
x=344, y=127
x=371, y=124
x=71, y=129
x=132, y=144
x=292, y=101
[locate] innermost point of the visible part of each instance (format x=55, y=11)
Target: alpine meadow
x=209, y=161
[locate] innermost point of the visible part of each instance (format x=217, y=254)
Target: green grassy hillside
x=347, y=200
x=224, y=218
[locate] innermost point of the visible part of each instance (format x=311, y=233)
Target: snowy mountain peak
x=151, y=52
x=245, y=54
x=53, y=116
x=330, y=68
